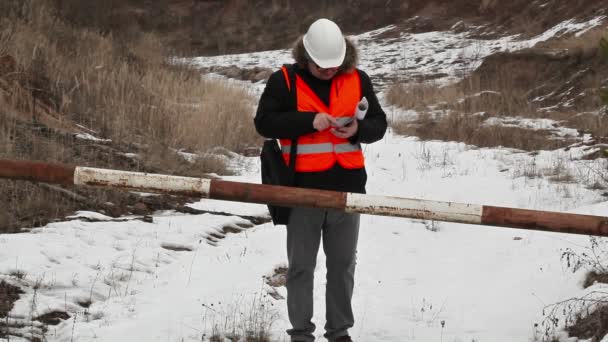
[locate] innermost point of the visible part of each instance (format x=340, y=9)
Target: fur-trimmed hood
x=351, y=58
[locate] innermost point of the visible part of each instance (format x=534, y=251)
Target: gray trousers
x=339, y=232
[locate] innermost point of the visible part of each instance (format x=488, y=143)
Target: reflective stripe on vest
x=323, y=148
x=319, y=151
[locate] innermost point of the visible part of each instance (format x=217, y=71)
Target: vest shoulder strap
x=290, y=79
x=290, y=76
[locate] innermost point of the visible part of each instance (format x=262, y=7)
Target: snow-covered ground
x=448, y=54
x=176, y=278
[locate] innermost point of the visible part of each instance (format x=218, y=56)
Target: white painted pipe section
x=141, y=181
x=414, y=208
x=307, y=198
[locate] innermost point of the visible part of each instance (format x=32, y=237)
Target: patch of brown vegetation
x=592, y=325
x=254, y=74
x=595, y=277
x=559, y=80
x=470, y=129
x=9, y=294
x=236, y=26
x=57, y=81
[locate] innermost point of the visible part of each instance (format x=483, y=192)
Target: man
x=327, y=88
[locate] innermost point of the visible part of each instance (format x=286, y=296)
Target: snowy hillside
x=182, y=278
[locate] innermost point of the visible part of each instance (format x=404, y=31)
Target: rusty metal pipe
x=299, y=197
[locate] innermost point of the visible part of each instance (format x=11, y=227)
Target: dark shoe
x=344, y=338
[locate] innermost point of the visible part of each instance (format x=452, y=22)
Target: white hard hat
x=325, y=43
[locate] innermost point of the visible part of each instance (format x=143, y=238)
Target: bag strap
x=290, y=80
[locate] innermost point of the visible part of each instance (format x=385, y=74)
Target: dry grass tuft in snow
x=247, y=319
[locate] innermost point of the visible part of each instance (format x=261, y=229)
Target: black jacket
x=278, y=118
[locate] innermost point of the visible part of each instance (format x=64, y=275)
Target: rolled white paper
x=361, y=109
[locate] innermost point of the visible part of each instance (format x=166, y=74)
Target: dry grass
x=248, y=320
x=469, y=128
x=592, y=123
x=28, y=205
x=126, y=91
x=586, y=43
x=420, y=96
x=505, y=85
x=559, y=79
x=57, y=79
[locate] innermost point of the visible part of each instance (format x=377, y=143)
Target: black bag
x=275, y=172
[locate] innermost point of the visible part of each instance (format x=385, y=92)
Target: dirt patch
x=53, y=318
x=85, y=303
x=176, y=248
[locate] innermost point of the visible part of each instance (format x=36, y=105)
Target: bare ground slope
x=207, y=27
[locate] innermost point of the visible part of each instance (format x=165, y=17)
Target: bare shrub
x=592, y=324
x=593, y=257
x=586, y=316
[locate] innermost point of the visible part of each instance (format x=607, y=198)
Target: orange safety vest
x=319, y=151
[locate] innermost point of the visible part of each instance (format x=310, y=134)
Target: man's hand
x=346, y=131
x=323, y=121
